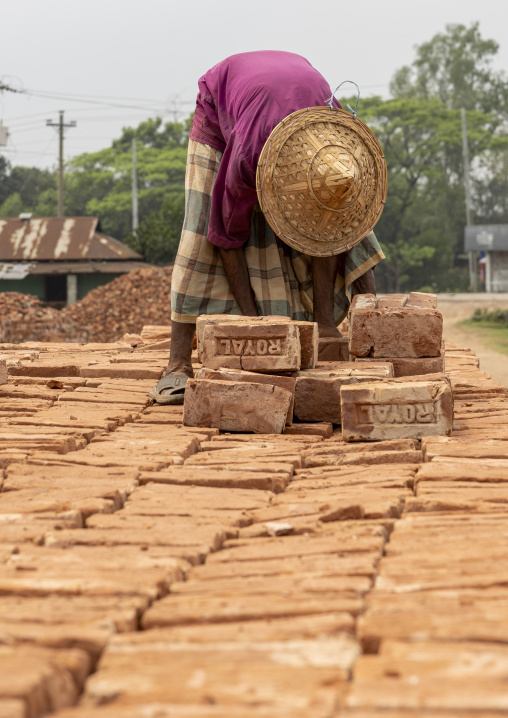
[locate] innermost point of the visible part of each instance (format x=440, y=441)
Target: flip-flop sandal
x=169, y=390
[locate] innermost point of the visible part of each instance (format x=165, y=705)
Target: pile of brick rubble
x=122, y=306
x=24, y=317
x=149, y=568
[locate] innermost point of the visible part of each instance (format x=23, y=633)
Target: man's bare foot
x=180, y=361
x=327, y=330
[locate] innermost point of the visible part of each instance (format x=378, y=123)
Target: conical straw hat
x=321, y=180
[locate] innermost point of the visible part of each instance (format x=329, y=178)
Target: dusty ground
x=458, y=307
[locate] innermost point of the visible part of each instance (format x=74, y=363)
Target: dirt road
x=458, y=307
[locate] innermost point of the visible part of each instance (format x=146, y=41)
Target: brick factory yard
x=154, y=570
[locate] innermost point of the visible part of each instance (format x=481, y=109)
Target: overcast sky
x=131, y=59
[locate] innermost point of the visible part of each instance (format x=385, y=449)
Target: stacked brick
x=406, y=331
x=245, y=383
x=152, y=569
x=278, y=358
x=360, y=395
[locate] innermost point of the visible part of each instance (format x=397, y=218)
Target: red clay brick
x=421, y=299
x=396, y=410
x=308, y=333
x=403, y=332
x=266, y=348
x=410, y=366
x=227, y=406
x=317, y=394
x=3, y=371
x=236, y=375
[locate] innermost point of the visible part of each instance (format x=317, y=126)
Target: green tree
x=47, y=203
x=158, y=234
x=30, y=182
x=5, y=169
x=13, y=206
x=421, y=228
x=100, y=183
x=423, y=223
x=22, y=186
x=489, y=185
x=455, y=68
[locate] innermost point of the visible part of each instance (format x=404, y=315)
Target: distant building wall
x=37, y=284
x=499, y=271
x=87, y=282
x=33, y=284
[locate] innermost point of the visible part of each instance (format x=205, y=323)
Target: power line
x=27, y=121
x=95, y=97
x=33, y=125
x=92, y=102
x=68, y=109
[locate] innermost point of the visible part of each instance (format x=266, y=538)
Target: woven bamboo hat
x=322, y=180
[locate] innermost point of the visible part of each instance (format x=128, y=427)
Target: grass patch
x=493, y=334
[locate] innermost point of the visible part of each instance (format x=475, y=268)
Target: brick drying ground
x=150, y=570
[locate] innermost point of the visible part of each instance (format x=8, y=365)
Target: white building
x=493, y=240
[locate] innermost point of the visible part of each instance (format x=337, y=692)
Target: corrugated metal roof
x=104, y=247
x=59, y=238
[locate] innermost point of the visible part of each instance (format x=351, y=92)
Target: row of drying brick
x=63, y=600
x=245, y=656
x=299, y=627
x=315, y=394
x=79, y=489
x=434, y=633
x=235, y=656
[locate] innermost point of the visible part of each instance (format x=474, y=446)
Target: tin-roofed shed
x=60, y=259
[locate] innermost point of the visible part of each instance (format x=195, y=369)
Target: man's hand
x=237, y=273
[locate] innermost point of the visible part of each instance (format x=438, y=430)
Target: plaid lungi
x=279, y=275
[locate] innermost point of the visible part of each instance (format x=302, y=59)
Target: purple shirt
x=239, y=103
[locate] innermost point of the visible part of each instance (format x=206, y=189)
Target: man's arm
x=324, y=271
x=237, y=274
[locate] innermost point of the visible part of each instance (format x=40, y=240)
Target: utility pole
x=467, y=188
x=61, y=127
x=4, y=132
x=4, y=135
x=135, y=215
